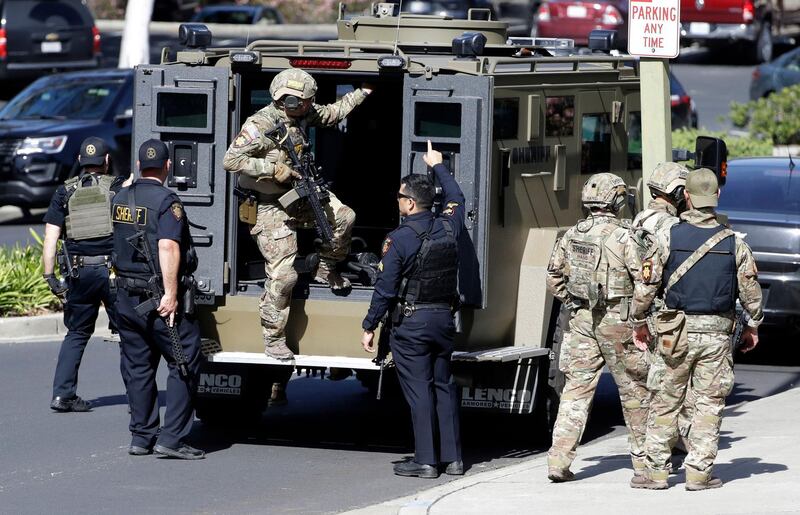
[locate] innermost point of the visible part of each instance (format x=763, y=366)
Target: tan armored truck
x=522, y=125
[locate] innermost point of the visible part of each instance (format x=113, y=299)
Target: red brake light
x=676, y=100
x=611, y=16
x=3, y=41
x=95, y=40
x=748, y=11
x=543, y=13
x=325, y=64
x=756, y=74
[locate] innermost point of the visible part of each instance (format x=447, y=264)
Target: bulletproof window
x=559, y=116
x=184, y=110
x=436, y=119
x=635, y=140
x=595, y=143
x=506, y=118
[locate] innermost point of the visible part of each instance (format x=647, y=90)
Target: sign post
x=654, y=35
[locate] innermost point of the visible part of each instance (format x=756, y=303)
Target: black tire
x=763, y=46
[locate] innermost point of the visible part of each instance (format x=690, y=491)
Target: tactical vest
x=596, y=271
x=128, y=261
x=434, y=275
x=646, y=225
x=710, y=285
x=88, y=203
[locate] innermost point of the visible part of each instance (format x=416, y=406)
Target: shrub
x=22, y=289
x=737, y=147
x=775, y=118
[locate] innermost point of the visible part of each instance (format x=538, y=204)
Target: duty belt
x=79, y=261
x=408, y=309
x=133, y=285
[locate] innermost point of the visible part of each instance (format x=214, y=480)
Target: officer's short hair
x=421, y=188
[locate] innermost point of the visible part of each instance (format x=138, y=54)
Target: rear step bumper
x=300, y=360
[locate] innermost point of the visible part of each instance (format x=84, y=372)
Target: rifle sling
x=698, y=254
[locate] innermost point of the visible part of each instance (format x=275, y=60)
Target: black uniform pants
x=145, y=340
x=421, y=348
x=80, y=314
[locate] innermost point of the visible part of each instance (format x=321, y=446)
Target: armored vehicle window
x=437, y=120
x=635, y=140
x=182, y=110
x=560, y=116
x=506, y=118
x=595, y=143
x=259, y=99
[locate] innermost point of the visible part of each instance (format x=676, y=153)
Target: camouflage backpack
x=88, y=203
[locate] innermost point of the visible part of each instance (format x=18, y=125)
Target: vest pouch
x=672, y=339
x=248, y=211
x=89, y=208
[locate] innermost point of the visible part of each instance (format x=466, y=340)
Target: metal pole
x=656, y=117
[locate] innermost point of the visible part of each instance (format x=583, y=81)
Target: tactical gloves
x=57, y=286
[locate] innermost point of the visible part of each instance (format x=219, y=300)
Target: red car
x=574, y=19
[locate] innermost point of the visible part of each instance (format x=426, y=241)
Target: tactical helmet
x=666, y=178
x=293, y=82
x=604, y=190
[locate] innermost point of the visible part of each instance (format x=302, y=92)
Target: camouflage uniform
x=599, y=333
x=256, y=158
x=708, y=364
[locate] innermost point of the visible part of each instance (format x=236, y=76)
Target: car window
x=269, y=17
x=240, y=17
x=793, y=63
x=770, y=190
x=48, y=14
x=81, y=100
x=675, y=87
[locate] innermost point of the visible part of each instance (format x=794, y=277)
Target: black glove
x=58, y=287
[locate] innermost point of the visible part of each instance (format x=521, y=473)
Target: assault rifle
x=383, y=352
x=311, y=186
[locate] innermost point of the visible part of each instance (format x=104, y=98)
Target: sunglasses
x=403, y=195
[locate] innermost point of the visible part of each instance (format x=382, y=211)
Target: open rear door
x=454, y=113
x=187, y=108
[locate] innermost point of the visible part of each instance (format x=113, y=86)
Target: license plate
x=576, y=11
x=700, y=29
x=51, y=47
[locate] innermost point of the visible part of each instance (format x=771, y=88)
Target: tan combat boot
x=327, y=274
x=648, y=484
x=277, y=349
x=696, y=486
x=557, y=475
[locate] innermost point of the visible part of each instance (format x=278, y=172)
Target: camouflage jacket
x=747, y=278
x=659, y=216
x=611, y=274
x=255, y=155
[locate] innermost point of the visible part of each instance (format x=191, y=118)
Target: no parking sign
x=654, y=28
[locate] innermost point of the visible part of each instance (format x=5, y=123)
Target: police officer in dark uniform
x=417, y=285
x=153, y=255
x=79, y=211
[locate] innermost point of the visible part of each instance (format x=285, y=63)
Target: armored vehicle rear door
x=187, y=108
x=454, y=113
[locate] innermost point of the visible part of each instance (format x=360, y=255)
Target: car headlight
x=48, y=145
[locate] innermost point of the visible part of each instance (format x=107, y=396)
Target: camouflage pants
x=654, y=379
x=598, y=337
x=709, y=367
x=275, y=234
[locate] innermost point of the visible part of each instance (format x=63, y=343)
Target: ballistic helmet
x=604, y=190
x=293, y=82
x=667, y=178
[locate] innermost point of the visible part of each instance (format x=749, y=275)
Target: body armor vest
x=434, y=276
x=709, y=286
x=596, y=268
x=88, y=203
x=647, y=224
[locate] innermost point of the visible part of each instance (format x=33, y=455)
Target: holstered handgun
x=190, y=287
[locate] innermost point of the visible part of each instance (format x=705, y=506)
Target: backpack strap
x=696, y=256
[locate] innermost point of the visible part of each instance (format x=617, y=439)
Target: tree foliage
x=737, y=147
x=775, y=118
x=22, y=289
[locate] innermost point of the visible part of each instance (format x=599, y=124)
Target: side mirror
x=712, y=153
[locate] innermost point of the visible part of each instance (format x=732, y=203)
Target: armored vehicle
x=522, y=125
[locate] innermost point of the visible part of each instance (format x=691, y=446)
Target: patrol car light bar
x=324, y=64
x=391, y=62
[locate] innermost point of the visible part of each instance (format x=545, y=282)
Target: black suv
x=41, y=130
x=39, y=36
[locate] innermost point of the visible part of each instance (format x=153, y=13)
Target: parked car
x=762, y=200
x=684, y=113
x=238, y=14
x=456, y=9
x=38, y=37
x=776, y=75
x=41, y=130
x=575, y=19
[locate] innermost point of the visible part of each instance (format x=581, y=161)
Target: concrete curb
x=44, y=327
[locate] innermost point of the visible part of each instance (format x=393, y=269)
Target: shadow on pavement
x=743, y=468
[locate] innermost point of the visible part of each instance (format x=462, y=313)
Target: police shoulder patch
x=450, y=208
x=647, y=270
x=177, y=210
x=387, y=243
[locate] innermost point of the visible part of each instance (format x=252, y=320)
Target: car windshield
x=72, y=100
x=49, y=14
x=761, y=189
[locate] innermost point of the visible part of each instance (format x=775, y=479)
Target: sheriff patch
x=248, y=134
x=386, y=244
x=647, y=270
x=122, y=214
x=177, y=210
x=450, y=208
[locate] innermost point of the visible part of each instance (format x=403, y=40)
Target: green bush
x=775, y=118
x=737, y=147
x=22, y=289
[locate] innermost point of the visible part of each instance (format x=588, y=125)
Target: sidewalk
x=44, y=327
x=759, y=461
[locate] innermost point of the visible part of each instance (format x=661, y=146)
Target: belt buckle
x=408, y=310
